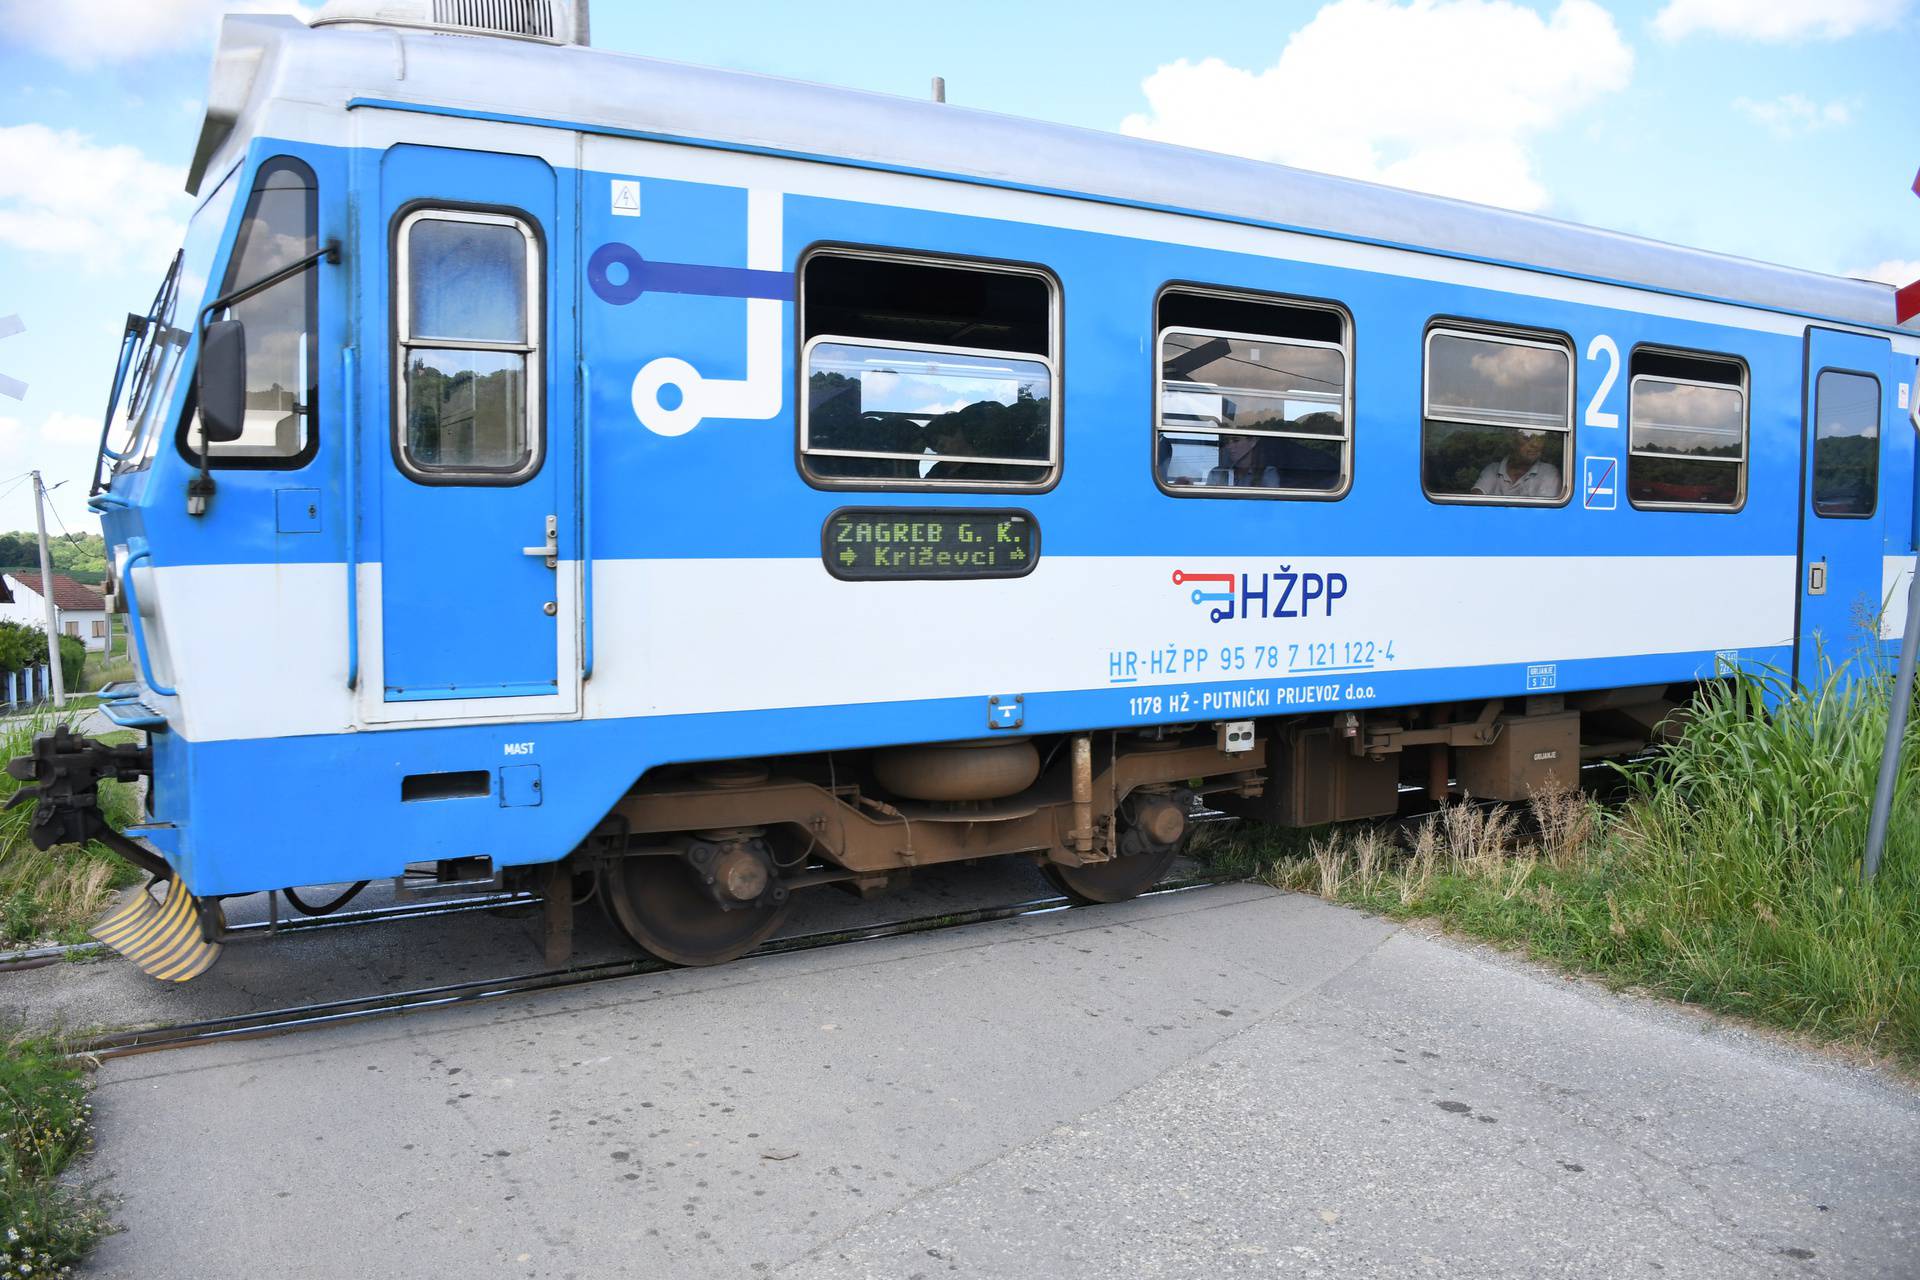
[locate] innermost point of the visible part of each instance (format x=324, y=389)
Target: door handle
x=551, y=551
x=1817, y=578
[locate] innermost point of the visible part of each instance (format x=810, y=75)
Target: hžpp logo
x=1283, y=594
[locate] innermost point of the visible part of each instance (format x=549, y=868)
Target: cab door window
x=280, y=227
x=468, y=319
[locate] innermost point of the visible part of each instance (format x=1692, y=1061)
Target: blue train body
x=332, y=624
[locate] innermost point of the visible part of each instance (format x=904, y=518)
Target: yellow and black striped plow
x=164, y=939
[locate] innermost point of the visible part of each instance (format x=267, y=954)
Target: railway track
x=326, y=1013
x=38, y=957
x=293, y=1018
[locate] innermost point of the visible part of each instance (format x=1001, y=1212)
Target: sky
x=1784, y=130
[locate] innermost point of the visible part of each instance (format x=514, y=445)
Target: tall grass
x=54, y=894
x=1756, y=821
x=1731, y=877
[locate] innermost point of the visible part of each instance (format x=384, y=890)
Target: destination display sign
x=871, y=543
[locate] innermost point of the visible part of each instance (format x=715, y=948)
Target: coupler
x=175, y=939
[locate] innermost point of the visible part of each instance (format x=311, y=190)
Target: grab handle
x=134, y=557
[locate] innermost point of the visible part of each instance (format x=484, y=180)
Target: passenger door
x=1840, y=517
x=478, y=598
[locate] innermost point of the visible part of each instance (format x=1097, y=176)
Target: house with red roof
x=80, y=611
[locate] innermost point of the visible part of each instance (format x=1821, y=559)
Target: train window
x=1252, y=398
x=927, y=372
x=1686, y=431
x=281, y=226
x=1498, y=417
x=1846, y=444
x=468, y=318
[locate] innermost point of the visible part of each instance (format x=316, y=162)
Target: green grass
x=1731, y=878
x=104, y=669
x=46, y=1227
x=54, y=895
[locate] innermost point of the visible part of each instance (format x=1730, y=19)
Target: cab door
x=478, y=594
x=1841, y=543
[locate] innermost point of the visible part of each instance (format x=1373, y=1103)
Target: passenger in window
x=990, y=428
x=1247, y=463
x=1523, y=473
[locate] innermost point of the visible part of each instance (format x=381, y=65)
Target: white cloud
x=1793, y=114
x=64, y=196
x=92, y=33
x=1898, y=272
x=1776, y=19
x=70, y=428
x=1437, y=95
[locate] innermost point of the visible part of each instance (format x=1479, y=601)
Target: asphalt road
x=1223, y=1083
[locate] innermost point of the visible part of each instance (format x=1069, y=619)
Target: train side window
x=925, y=372
x=1846, y=444
x=1252, y=398
x=1498, y=416
x=1686, y=431
x=468, y=315
x=280, y=226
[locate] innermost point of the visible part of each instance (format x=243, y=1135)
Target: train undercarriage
x=698, y=863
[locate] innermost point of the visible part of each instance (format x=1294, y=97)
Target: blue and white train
x=572, y=467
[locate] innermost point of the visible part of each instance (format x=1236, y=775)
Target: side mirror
x=221, y=383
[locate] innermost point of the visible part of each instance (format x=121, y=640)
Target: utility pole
x=1897, y=705
x=46, y=590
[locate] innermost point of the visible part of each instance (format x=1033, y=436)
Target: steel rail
x=327, y=1013
x=39, y=957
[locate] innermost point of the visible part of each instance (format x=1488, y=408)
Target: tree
x=82, y=557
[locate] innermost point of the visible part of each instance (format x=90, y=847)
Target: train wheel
x=1152, y=827
x=1115, y=880
x=660, y=903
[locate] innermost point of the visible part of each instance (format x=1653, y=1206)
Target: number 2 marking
x=1602, y=345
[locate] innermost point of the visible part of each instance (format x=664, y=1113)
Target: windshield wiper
x=138, y=327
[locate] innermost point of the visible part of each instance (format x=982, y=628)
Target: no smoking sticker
x=1599, y=483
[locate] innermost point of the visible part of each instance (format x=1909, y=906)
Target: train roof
x=264, y=60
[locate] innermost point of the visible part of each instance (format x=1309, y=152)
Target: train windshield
x=154, y=370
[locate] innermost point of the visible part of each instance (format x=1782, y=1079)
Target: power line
x=63, y=525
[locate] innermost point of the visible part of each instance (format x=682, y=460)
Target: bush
x=73, y=661
x=23, y=646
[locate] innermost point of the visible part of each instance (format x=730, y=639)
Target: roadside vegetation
x=46, y=1225
x=1730, y=877
x=54, y=895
